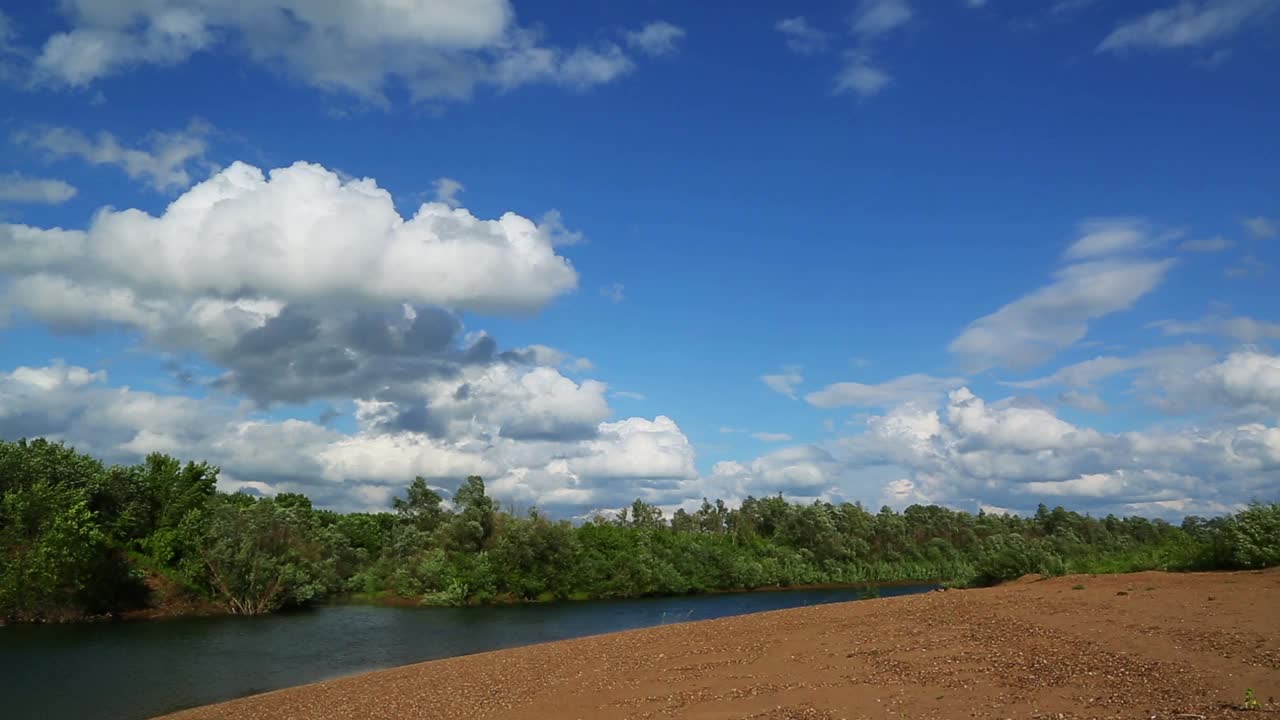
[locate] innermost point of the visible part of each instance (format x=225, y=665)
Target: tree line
x=79, y=538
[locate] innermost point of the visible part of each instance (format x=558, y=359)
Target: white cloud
x=1191, y=379
x=1087, y=401
x=587, y=67
x=1187, y=24
x=802, y=37
x=1261, y=227
x=1035, y=327
x=620, y=460
x=1010, y=456
x=1105, y=237
x=802, y=473
x=446, y=191
x=860, y=76
x=615, y=292
x=436, y=49
x=497, y=399
x=872, y=18
x=1249, y=266
x=17, y=188
x=908, y=388
x=656, y=38
x=1181, y=361
x=303, y=234
x=771, y=437
x=164, y=163
x=1246, y=380
x=1206, y=245
x=784, y=382
x=1242, y=329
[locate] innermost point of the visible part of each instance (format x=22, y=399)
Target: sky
x=978, y=253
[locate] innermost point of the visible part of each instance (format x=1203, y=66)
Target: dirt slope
x=1131, y=646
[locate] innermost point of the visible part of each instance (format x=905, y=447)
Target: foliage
x=80, y=538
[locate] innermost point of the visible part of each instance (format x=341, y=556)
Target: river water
x=135, y=670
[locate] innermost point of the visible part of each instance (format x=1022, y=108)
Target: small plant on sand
x=1077, y=587
x=1250, y=700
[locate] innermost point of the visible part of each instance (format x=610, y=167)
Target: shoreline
x=1143, y=645
x=394, y=601
x=206, y=610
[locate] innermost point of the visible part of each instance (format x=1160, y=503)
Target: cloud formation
x=908, y=388
x=785, y=382
x=656, y=39
x=18, y=188
x=361, y=470
x=165, y=162
x=1040, y=324
x=801, y=36
x=872, y=18
x=436, y=49
x=1187, y=24
x=303, y=234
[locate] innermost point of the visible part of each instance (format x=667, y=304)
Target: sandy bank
x=1132, y=646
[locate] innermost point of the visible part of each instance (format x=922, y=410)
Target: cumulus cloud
x=446, y=191
x=437, y=50
x=362, y=469
x=1008, y=455
x=784, y=382
x=656, y=38
x=18, y=188
x=165, y=161
x=1187, y=24
x=801, y=473
x=908, y=388
x=303, y=234
x=298, y=285
x=1191, y=379
x=801, y=36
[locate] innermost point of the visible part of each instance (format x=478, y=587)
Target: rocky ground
x=1148, y=645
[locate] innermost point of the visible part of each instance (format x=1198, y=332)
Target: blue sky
x=984, y=254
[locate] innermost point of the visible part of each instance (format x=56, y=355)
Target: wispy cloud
x=771, y=437
x=860, y=76
x=18, y=188
x=1261, y=227
x=656, y=39
x=615, y=292
x=165, y=161
x=873, y=18
x=784, y=382
x=802, y=37
x=1187, y=24
x=1206, y=245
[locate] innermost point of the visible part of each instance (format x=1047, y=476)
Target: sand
x=1148, y=645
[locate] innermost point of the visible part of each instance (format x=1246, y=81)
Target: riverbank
x=1143, y=645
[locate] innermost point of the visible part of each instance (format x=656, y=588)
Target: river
x=135, y=670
